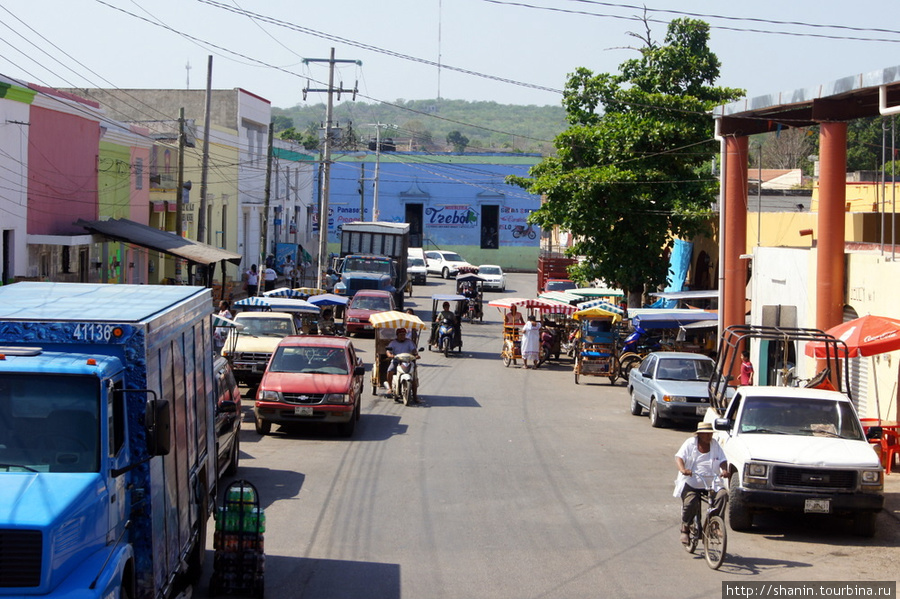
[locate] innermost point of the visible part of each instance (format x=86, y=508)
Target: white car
x=444, y=264
x=493, y=277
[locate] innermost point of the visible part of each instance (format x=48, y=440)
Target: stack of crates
x=240, y=560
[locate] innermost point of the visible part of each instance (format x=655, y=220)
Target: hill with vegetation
x=425, y=125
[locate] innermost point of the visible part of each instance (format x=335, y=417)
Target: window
x=139, y=173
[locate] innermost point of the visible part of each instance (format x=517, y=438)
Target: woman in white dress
x=531, y=342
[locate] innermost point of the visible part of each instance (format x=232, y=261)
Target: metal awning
x=688, y=295
x=128, y=231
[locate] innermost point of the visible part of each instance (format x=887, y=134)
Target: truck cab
x=367, y=271
x=802, y=450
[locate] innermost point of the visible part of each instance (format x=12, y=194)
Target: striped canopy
x=604, y=305
x=392, y=319
x=505, y=302
x=596, y=292
x=561, y=296
x=283, y=292
x=307, y=291
x=281, y=304
x=540, y=305
x=219, y=321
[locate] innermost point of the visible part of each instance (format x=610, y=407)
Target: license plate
x=701, y=410
x=303, y=411
x=817, y=506
x=367, y=327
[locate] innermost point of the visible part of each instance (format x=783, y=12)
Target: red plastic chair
x=890, y=447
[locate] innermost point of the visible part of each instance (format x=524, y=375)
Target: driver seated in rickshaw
x=399, y=345
x=445, y=314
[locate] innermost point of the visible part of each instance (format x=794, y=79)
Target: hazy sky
x=503, y=51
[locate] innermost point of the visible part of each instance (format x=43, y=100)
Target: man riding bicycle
x=700, y=459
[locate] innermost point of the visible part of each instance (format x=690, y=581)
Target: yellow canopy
x=392, y=319
x=595, y=312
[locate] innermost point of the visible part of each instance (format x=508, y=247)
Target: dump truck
x=107, y=441
x=374, y=256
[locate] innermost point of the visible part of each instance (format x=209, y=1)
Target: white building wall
x=14, y=199
x=254, y=114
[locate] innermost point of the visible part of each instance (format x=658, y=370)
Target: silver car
x=493, y=277
x=671, y=386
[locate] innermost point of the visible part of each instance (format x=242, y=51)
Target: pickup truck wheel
x=636, y=408
x=739, y=516
x=864, y=524
x=656, y=421
x=262, y=426
x=347, y=428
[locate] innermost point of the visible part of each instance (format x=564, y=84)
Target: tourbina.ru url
x=887, y=589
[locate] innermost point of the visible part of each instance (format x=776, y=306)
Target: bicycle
x=711, y=529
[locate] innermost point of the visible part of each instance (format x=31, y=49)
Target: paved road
x=508, y=483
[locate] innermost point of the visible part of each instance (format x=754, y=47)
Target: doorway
x=414, y=218
x=490, y=227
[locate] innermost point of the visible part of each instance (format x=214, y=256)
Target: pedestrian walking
x=271, y=277
x=531, y=342
x=251, y=282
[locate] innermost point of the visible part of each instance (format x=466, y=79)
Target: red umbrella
x=865, y=336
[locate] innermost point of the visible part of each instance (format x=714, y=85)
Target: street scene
x=507, y=482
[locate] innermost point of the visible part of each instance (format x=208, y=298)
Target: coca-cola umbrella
x=868, y=335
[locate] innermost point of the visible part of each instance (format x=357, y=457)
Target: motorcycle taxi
x=405, y=385
x=446, y=335
x=471, y=286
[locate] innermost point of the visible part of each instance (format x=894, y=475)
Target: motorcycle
x=548, y=343
x=405, y=386
x=634, y=347
x=522, y=231
x=445, y=336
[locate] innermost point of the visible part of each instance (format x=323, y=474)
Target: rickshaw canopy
x=392, y=319
x=328, y=299
x=219, y=321
x=605, y=305
x=283, y=292
x=668, y=320
x=506, y=302
x=596, y=292
x=280, y=304
x=450, y=297
x=468, y=278
x=308, y=291
x=596, y=312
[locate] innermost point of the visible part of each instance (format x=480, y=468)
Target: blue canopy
x=281, y=304
x=670, y=320
x=448, y=298
x=328, y=299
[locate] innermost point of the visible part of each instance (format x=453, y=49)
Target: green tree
x=632, y=170
x=458, y=141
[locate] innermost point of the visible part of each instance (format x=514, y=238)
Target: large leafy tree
x=632, y=170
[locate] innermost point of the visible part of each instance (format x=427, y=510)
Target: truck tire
x=739, y=516
x=864, y=524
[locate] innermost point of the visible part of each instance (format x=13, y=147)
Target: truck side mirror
x=158, y=422
x=723, y=424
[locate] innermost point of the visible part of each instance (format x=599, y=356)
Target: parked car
x=493, y=277
x=444, y=264
x=228, y=418
x=311, y=379
x=671, y=386
x=559, y=285
x=416, y=270
x=365, y=303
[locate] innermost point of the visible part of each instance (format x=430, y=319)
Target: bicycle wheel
x=715, y=539
x=693, y=535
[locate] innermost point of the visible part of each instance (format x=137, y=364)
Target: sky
x=510, y=52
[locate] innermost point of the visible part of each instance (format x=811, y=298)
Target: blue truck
x=374, y=255
x=107, y=441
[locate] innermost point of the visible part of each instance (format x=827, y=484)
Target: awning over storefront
x=128, y=231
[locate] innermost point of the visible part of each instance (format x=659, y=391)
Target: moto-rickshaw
x=458, y=305
x=336, y=304
x=595, y=353
x=472, y=287
x=385, y=325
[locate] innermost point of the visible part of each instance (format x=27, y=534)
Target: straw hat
x=705, y=427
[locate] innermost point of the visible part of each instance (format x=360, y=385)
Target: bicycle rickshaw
x=472, y=287
x=512, y=350
x=595, y=353
x=337, y=304
x=385, y=325
x=458, y=305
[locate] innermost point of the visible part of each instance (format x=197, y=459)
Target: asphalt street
x=510, y=483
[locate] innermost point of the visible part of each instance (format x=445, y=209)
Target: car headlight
x=336, y=398
x=871, y=477
x=270, y=396
x=354, y=320
x=674, y=398
x=755, y=472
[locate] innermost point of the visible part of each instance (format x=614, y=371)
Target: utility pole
x=201, y=219
x=179, y=191
x=326, y=156
x=265, y=215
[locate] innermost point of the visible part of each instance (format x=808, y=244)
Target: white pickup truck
x=802, y=450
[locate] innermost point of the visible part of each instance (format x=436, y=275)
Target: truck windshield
x=49, y=423
x=276, y=327
x=798, y=416
x=367, y=265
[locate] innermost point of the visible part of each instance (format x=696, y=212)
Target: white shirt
x=271, y=275
x=703, y=466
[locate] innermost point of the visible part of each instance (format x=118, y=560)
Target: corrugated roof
x=129, y=231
